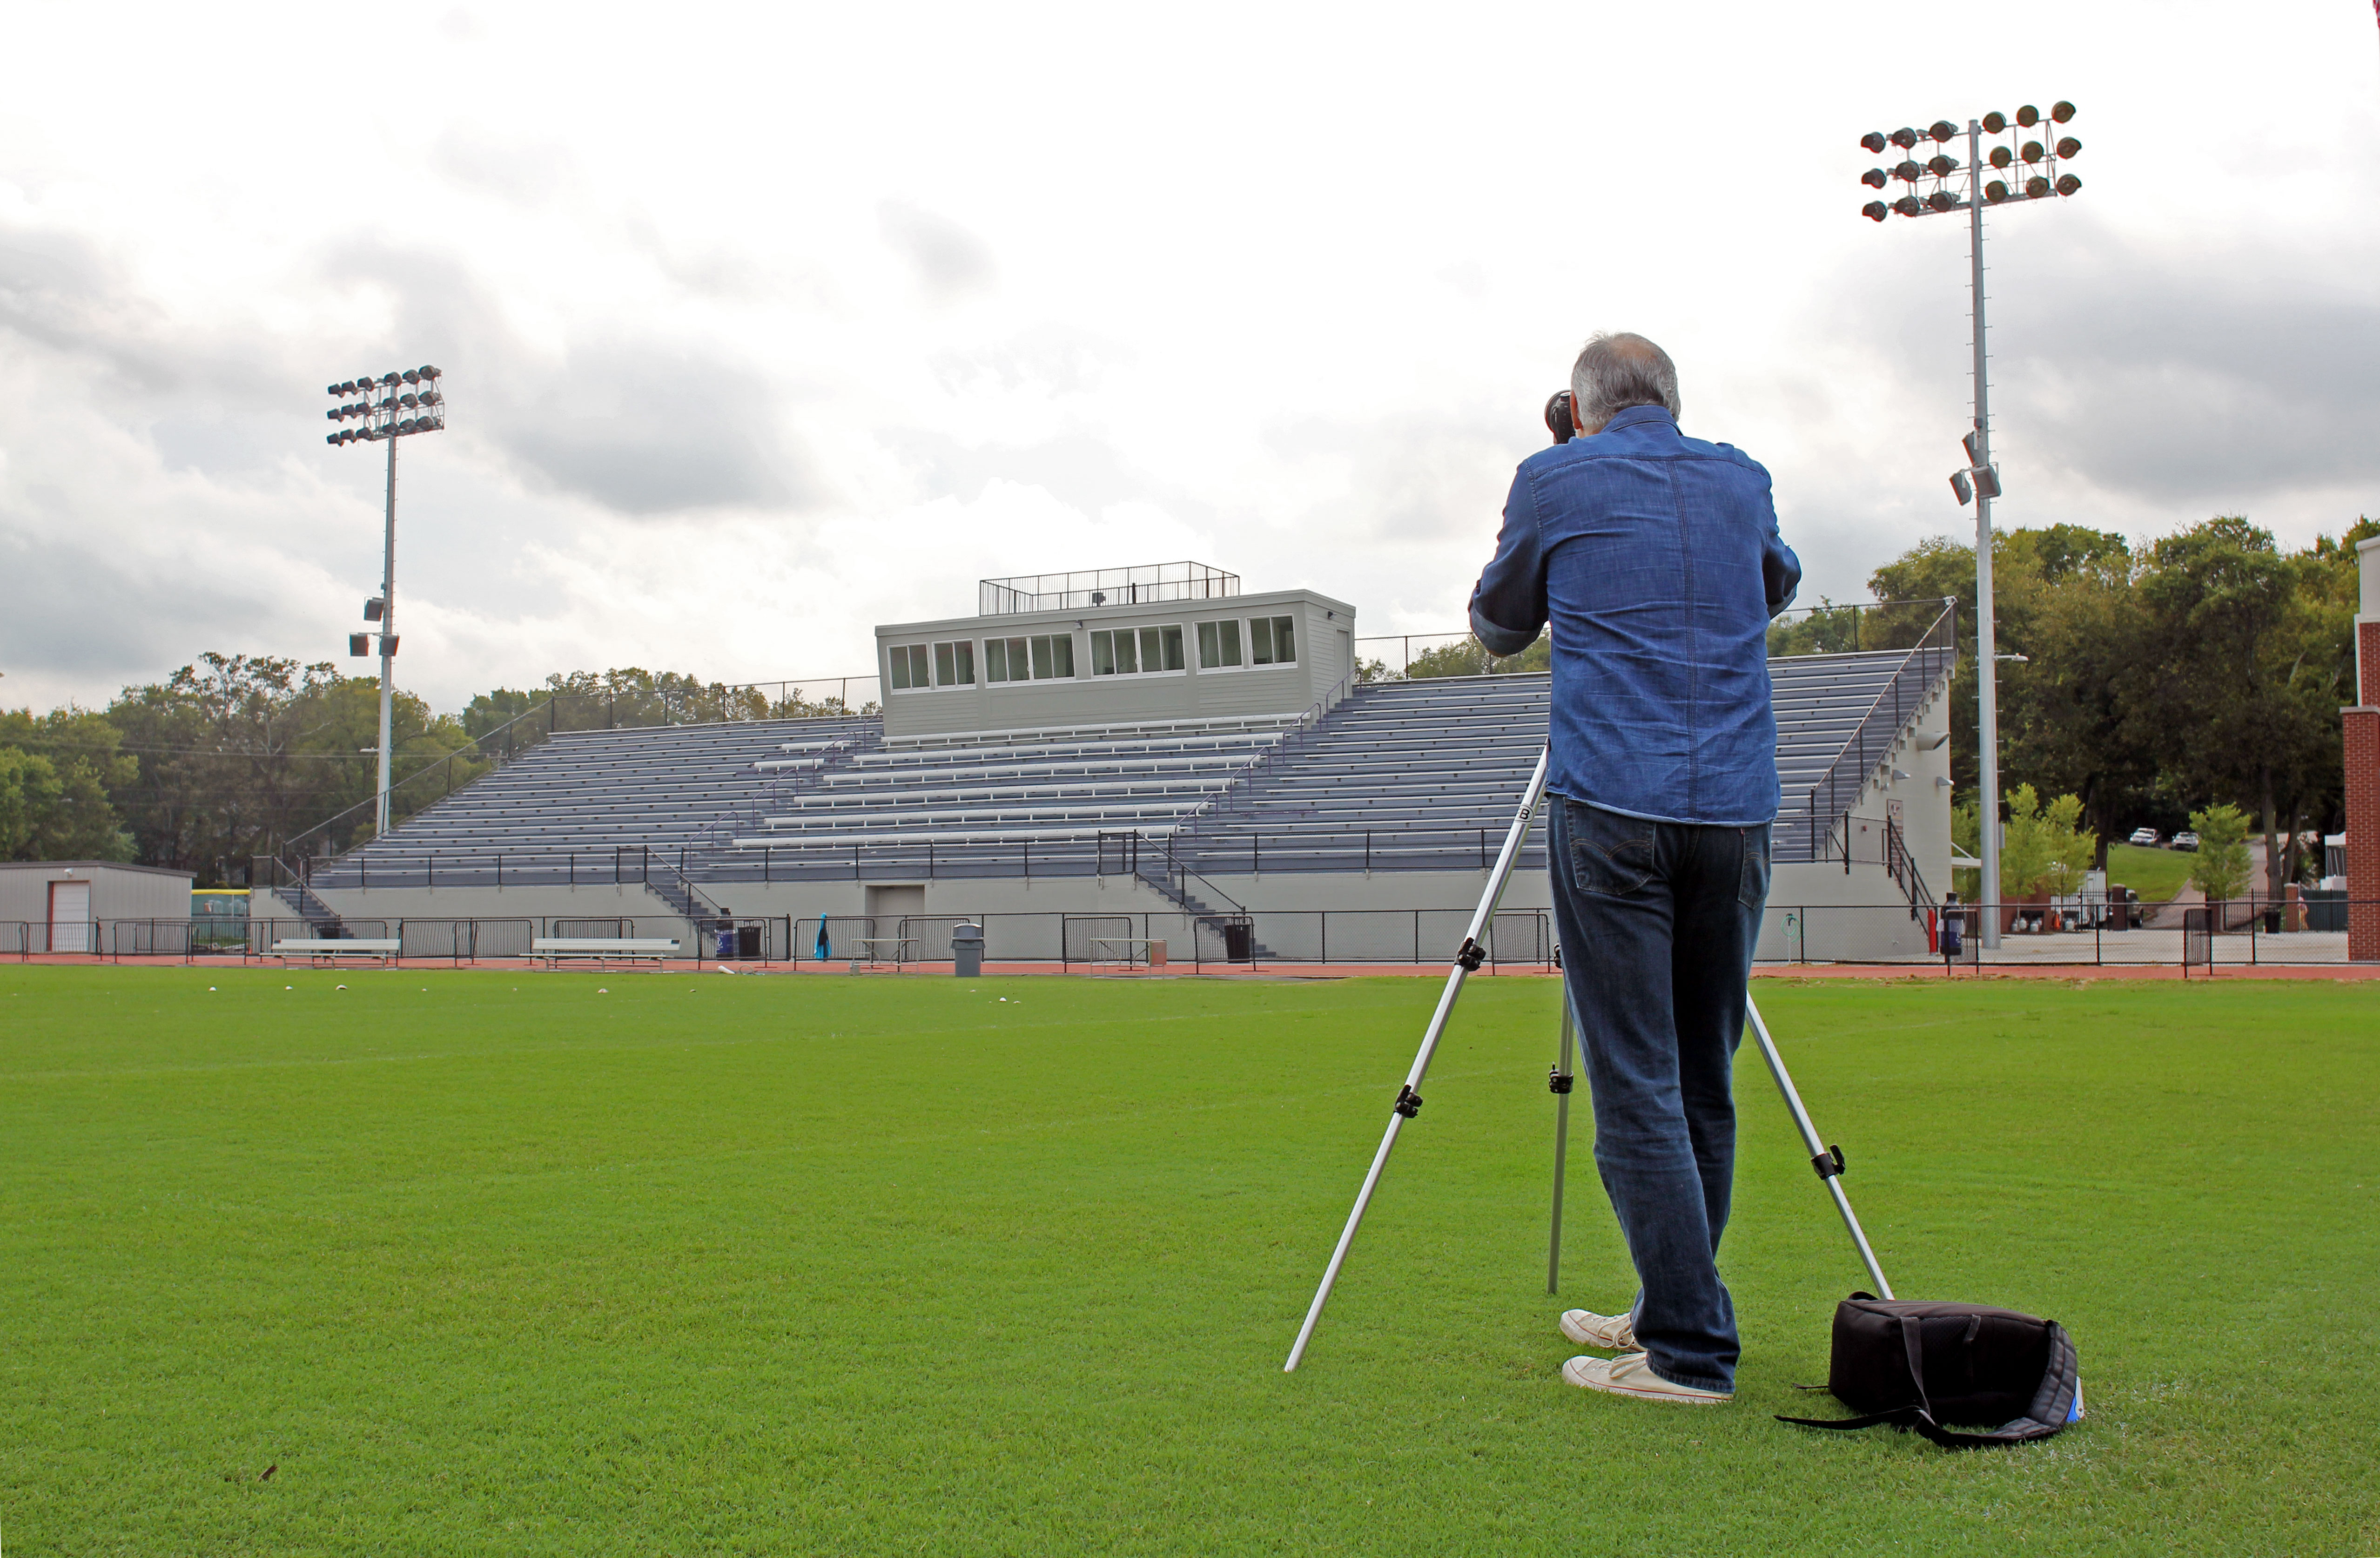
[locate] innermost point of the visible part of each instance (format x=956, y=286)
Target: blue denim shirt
x=1657, y=560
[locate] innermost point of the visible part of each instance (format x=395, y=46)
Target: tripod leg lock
x=1829, y=1162
x=1471, y=954
x=1559, y=1081
x=1408, y=1102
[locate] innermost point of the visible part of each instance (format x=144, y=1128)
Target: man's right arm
x=1508, y=607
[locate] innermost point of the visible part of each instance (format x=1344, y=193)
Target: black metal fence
x=1518, y=939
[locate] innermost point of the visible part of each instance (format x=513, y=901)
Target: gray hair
x=1616, y=370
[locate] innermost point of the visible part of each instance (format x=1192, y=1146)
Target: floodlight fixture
x=1942, y=184
x=1874, y=177
x=385, y=412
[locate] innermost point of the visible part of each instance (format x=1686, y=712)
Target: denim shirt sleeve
x=1508, y=607
x=1778, y=566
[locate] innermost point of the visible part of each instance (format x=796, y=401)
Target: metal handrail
x=1889, y=711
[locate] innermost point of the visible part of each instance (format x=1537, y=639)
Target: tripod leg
x=1467, y=957
x=1828, y=1161
x=1560, y=1082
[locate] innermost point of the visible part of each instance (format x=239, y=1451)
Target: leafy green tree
x=62, y=787
x=2045, y=848
x=28, y=791
x=1466, y=657
x=2071, y=717
x=2242, y=672
x=238, y=754
x=2221, y=868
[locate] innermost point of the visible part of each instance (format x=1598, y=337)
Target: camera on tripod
x=1558, y=419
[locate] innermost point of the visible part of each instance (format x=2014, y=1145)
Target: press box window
x=1219, y=645
x=909, y=667
x=1273, y=640
x=954, y=664
x=1046, y=657
x=1124, y=652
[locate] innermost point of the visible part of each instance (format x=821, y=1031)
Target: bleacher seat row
x=1406, y=774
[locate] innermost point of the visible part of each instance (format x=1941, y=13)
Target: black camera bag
x=1923, y=1365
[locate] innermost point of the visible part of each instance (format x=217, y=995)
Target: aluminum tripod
x=1467, y=957
x=1828, y=1162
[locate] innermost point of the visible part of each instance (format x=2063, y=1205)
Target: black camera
x=1558, y=419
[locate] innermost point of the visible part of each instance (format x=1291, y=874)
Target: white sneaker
x=1632, y=1374
x=1615, y=1333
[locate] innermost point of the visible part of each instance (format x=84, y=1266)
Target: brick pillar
x=2363, y=723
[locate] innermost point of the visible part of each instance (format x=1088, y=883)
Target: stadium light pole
x=393, y=406
x=1933, y=188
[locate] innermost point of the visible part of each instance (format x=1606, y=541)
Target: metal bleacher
x=1424, y=775
x=1001, y=803
x=1403, y=776
x=635, y=805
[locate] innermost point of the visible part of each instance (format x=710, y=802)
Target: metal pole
x=1408, y=1103
x=1830, y=1168
x=387, y=636
x=1987, y=736
x=1562, y=1079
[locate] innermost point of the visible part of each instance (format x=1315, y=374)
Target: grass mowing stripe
x=841, y=1266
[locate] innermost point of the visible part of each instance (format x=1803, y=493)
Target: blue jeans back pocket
x=1609, y=854
x=1751, y=884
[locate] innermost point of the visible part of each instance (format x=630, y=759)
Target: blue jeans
x=1656, y=923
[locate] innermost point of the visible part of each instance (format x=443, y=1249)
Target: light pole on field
x=1938, y=185
x=383, y=409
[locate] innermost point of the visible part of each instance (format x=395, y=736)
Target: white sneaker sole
x=1593, y=1374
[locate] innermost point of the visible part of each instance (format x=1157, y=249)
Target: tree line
x=2206, y=669
x=236, y=756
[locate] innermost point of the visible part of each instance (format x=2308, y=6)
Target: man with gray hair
x=1657, y=559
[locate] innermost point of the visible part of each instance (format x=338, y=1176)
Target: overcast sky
x=764, y=324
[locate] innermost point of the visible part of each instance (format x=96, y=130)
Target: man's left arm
x=1508, y=607
x=1780, y=569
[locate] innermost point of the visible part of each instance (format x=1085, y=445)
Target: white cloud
x=761, y=327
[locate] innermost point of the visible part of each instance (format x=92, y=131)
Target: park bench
x=603, y=950
x=326, y=952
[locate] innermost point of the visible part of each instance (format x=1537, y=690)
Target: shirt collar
x=1631, y=415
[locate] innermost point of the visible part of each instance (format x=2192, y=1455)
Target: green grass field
x=2155, y=874
x=489, y=1263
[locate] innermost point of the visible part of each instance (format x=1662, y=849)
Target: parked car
x=2145, y=838
x=2185, y=841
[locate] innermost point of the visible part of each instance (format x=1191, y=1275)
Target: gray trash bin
x=966, y=950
